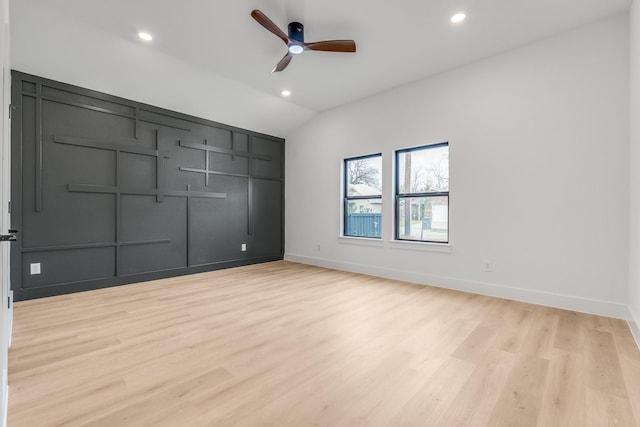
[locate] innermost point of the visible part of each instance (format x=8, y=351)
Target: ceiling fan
x=295, y=40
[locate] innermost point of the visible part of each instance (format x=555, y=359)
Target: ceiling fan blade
x=282, y=64
x=333, y=46
x=269, y=25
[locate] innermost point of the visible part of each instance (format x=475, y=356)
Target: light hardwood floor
x=285, y=344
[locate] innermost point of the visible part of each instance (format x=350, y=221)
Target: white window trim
x=361, y=241
x=421, y=246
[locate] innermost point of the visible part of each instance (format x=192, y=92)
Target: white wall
x=50, y=45
x=634, y=156
x=539, y=173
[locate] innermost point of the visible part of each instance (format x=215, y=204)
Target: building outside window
x=422, y=193
x=363, y=196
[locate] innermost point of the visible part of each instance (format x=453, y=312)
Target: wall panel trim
x=108, y=191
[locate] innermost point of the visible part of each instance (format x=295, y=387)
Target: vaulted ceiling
x=398, y=42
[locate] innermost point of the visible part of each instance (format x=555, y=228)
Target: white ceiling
x=398, y=42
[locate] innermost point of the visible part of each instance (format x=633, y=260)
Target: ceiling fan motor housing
x=296, y=31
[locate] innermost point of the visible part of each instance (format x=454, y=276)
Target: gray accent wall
x=107, y=191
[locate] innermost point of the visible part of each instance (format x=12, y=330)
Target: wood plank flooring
x=284, y=344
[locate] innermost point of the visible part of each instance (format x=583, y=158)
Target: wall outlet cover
x=35, y=268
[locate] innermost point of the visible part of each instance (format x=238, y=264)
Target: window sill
x=421, y=246
x=362, y=241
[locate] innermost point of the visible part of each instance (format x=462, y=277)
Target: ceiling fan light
x=296, y=49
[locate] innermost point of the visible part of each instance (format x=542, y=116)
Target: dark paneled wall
x=107, y=191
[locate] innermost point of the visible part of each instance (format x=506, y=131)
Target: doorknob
x=11, y=237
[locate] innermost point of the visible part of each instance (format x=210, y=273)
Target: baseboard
x=549, y=299
x=5, y=401
x=634, y=325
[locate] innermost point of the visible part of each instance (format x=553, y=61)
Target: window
x=422, y=194
x=363, y=196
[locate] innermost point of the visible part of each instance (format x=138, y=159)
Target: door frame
x=6, y=303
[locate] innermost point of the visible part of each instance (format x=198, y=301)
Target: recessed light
x=458, y=17
x=145, y=36
x=285, y=93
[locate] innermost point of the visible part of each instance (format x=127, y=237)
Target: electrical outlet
x=488, y=266
x=35, y=268
x=243, y=247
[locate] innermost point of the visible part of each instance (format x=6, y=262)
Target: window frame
x=398, y=196
x=346, y=198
